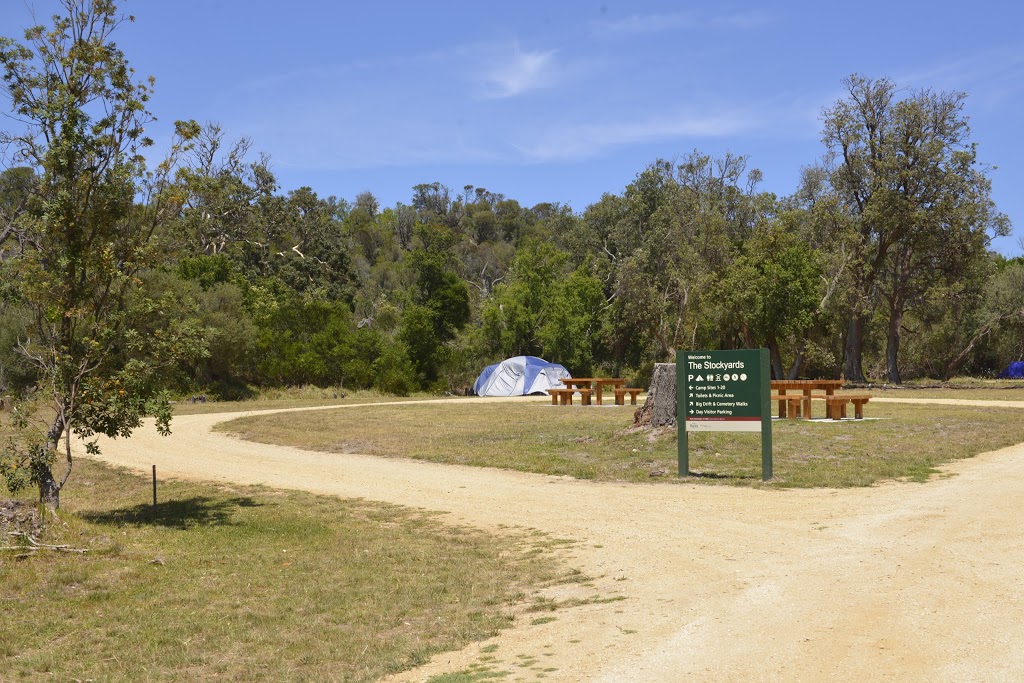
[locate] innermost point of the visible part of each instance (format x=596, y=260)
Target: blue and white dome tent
x=519, y=376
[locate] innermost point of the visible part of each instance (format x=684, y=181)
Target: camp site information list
x=722, y=391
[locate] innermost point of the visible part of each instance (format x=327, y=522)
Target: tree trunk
x=892, y=347
x=961, y=357
x=796, y=369
x=659, y=410
x=778, y=372
x=852, y=365
x=49, y=487
x=49, y=490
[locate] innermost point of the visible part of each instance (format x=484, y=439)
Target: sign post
x=724, y=391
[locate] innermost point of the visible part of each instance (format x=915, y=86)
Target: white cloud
x=648, y=23
x=745, y=20
x=509, y=76
x=638, y=24
x=497, y=71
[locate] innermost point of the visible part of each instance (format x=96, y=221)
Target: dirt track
x=902, y=582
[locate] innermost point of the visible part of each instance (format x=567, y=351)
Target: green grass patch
x=904, y=442
x=472, y=674
x=248, y=583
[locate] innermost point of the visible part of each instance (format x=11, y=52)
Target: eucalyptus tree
x=91, y=236
x=520, y=307
x=434, y=204
x=908, y=174
x=1000, y=318
x=438, y=305
x=669, y=238
x=221, y=211
x=572, y=333
x=773, y=290
x=814, y=216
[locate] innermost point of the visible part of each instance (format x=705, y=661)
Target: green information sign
x=724, y=391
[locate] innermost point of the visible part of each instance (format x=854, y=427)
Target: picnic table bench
x=564, y=396
x=790, y=405
x=836, y=405
x=598, y=384
x=798, y=404
x=620, y=395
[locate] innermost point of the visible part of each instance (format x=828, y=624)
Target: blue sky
x=557, y=101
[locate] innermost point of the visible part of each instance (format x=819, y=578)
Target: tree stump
x=659, y=410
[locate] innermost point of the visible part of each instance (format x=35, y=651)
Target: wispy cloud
x=393, y=143
x=509, y=75
x=991, y=76
x=753, y=19
x=501, y=70
x=568, y=143
x=638, y=24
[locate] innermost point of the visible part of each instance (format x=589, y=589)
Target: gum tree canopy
x=908, y=175
x=88, y=234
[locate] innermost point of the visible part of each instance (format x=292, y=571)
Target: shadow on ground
x=715, y=475
x=176, y=514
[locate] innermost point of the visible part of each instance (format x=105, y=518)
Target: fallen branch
x=43, y=546
x=34, y=545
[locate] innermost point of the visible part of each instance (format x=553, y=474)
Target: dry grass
x=905, y=442
x=242, y=584
x=992, y=391
x=273, y=401
x=971, y=388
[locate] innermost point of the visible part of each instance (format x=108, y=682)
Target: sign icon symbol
x=743, y=377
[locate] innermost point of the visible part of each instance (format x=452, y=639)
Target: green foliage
x=513, y=317
x=17, y=372
x=224, y=369
x=438, y=303
x=419, y=338
x=572, y=331
x=440, y=291
x=670, y=238
x=920, y=202
x=263, y=287
x=394, y=371
x=207, y=270
x=773, y=289
x=359, y=369
x=304, y=342
x=87, y=240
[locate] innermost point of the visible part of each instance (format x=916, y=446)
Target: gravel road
x=904, y=582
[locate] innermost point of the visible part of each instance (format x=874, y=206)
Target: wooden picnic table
x=594, y=382
x=806, y=387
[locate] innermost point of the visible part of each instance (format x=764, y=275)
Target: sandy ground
x=903, y=582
